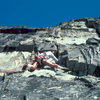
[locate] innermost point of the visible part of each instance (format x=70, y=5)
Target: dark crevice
x=24, y=98
x=97, y=71
x=21, y=30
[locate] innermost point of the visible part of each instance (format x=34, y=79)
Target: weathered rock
x=81, y=59
x=94, y=23
x=78, y=48
x=12, y=62
x=16, y=87
x=18, y=30
x=46, y=46
x=74, y=29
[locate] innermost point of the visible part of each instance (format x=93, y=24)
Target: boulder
x=94, y=23
x=45, y=46
x=82, y=58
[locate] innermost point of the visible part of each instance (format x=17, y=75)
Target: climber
x=44, y=59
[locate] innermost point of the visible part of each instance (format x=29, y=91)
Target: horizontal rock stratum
x=78, y=48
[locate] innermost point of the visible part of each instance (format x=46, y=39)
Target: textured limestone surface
x=78, y=48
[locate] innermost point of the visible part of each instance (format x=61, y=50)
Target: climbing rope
x=15, y=68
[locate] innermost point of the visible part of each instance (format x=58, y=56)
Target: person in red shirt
x=42, y=60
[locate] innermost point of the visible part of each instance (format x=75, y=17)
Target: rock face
x=16, y=87
x=86, y=56
x=78, y=48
